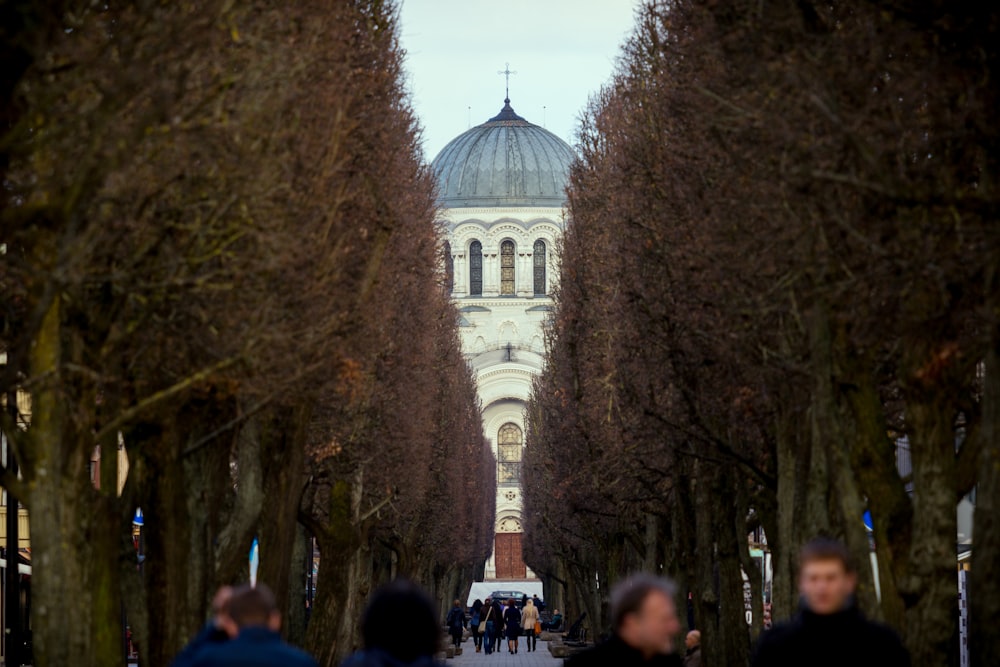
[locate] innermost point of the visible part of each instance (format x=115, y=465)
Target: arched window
x=509, y=441
x=539, y=262
x=449, y=269
x=476, y=269
x=507, y=268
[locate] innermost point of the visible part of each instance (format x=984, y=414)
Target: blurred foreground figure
x=400, y=628
x=692, y=658
x=645, y=626
x=214, y=632
x=253, y=625
x=829, y=629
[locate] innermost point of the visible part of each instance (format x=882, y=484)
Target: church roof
x=506, y=161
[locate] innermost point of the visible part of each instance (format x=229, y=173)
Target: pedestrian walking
x=474, y=623
x=829, y=629
x=255, y=640
x=492, y=621
x=512, y=624
x=645, y=623
x=539, y=603
x=456, y=623
x=400, y=629
x=501, y=631
x=216, y=631
x=692, y=658
x=529, y=618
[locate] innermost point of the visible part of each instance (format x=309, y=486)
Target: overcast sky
x=562, y=51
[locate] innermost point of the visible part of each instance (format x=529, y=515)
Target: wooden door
x=509, y=559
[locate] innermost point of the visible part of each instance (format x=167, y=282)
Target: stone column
x=491, y=272
x=461, y=275
x=520, y=289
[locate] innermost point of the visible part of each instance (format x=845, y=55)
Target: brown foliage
x=781, y=248
x=220, y=252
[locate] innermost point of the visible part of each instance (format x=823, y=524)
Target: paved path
x=539, y=658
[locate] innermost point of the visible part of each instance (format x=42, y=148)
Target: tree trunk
x=76, y=605
x=835, y=435
x=706, y=573
x=555, y=590
x=799, y=480
x=874, y=463
x=191, y=547
x=295, y=612
x=169, y=570
x=932, y=621
x=283, y=456
x=345, y=577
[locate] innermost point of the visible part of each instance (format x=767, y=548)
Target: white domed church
x=502, y=195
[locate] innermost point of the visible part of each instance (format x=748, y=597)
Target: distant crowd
x=493, y=621
x=400, y=627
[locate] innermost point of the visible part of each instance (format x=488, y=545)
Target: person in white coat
x=529, y=617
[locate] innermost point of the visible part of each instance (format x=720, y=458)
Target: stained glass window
x=539, y=265
x=507, y=268
x=449, y=269
x=509, y=441
x=476, y=269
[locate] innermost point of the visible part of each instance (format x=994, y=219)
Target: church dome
x=506, y=161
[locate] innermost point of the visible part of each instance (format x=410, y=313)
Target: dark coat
x=486, y=615
x=512, y=621
x=455, y=620
x=616, y=653
x=693, y=657
x=208, y=636
x=476, y=616
x=497, y=616
x=833, y=640
x=377, y=658
x=254, y=647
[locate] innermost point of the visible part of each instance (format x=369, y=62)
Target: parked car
x=503, y=596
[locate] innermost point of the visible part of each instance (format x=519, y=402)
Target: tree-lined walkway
x=539, y=658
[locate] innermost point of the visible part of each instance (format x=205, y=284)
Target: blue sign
x=137, y=519
x=867, y=518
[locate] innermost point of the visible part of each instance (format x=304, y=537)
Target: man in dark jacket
x=829, y=630
x=645, y=626
x=456, y=623
x=256, y=642
x=499, y=632
x=214, y=632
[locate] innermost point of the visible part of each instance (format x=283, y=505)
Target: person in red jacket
x=829, y=630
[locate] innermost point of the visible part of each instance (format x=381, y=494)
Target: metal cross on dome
x=506, y=72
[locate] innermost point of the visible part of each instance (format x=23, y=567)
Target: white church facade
x=502, y=195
